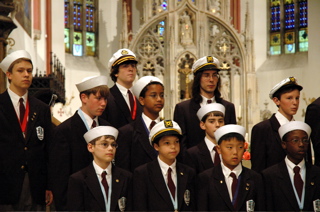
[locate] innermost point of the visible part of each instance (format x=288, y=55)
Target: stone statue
x=186, y=31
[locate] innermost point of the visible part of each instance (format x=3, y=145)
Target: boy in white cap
x=122, y=106
x=205, y=90
x=25, y=135
x=230, y=186
x=205, y=155
x=266, y=147
x=135, y=148
x=101, y=186
x=293, y=184
x=68, y=153
x=164, y=184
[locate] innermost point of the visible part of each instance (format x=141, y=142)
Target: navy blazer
x=199, y=157
x=213, y=195
x=84, y=191
x=19, y=155
x=313, y=119
x=279, y=191
x=117, y=112
x=68, y=154
x=150, y=192
x=134, y=146
x=266, y=149
x=185, y=114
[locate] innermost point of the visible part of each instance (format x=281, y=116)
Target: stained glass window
x=81, y=38
x=288, y=26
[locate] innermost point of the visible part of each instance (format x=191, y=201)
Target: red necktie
x=171, y=185
x=298, y=183
x=234, y=183
x=209, y=101
x=133, y=105
x=94, y=124
x=216, y=160
x=22, y=109
x=152, y=125
x=105, y=183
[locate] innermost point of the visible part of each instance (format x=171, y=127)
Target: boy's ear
x=83, y=97
x=141, y=100
x=202, y=125
x=276, y=101
x=284, y=144
x=90, y=147
x=156, y=146
x=219, y=149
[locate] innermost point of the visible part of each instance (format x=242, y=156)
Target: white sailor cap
x=96, y=132
x=210, y=108
x=230, y=128
x=163, y=128
x=121, y=56
x=142, y=83
x=288, y=82
x=294, y=125
x=9, y=59
x=206, y=63
x=91, y=82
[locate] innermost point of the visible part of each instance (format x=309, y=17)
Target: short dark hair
x=102, y=89
x=196, y=88
x=105, y=137
x=213, y=113
x=229, y=136
x=286, y=89
x=156, y=140
x=115, y=69
x=145, y=89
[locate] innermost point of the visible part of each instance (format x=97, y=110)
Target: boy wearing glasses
x=134, y=146
x=293, y=184
x=205, y=90
x=101, y=186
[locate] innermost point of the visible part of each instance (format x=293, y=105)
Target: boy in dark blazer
x=205, y=155
x=164, y=184
x=205, y=90
x=25, y=135
x=266, y=147
x=292, y=184
x=230, y=186
x=123, y=107
x=68, y=153
x=135, y=148
x=101, y=186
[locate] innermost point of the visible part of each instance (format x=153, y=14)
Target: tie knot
x=233, y=175
x=169, y=170
x=209, y=101
x=103, y=175
x=152, y=124
x=215, y=149
x=296, y=170
x=94, y=124
x=21, y=100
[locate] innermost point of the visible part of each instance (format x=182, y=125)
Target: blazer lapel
x=309, y=187
x=117, y=185
x=286, y=185
x=94, y=186
x=143, y=137
x=10, y=113
x=205, y=155
x=33, y=116
x=182, y=179
x=221, y=186
x=244, y=188
x=156, y=177
x=275, y=127
x=120, y=101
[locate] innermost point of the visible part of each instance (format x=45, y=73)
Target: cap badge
x=168, y=123
x=123, y=52
x=292, y=79
x=210, y=59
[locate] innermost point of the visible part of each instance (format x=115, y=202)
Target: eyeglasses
x=208, y=76
x=303, y=140
x=106, y=145
x=154, y=96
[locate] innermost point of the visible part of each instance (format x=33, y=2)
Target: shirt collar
x=89, y=120
x=99, y=170
x=148, y=121
x=15, y=98
x=164, y=167
x=282, y=119
x=209, y=144
x=204, y=100
x=226, y=171
x=123, y=89
x=291, y=165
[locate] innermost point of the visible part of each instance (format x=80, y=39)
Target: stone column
x=6, y=26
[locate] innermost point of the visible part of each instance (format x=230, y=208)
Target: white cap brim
x=8, y=60
x=96, y=132
x=230, y=128
x=142, y=83
x=294, y=125
x=92, y=82
x=210, y=108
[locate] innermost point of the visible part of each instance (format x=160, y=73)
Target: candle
x=239, y=112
